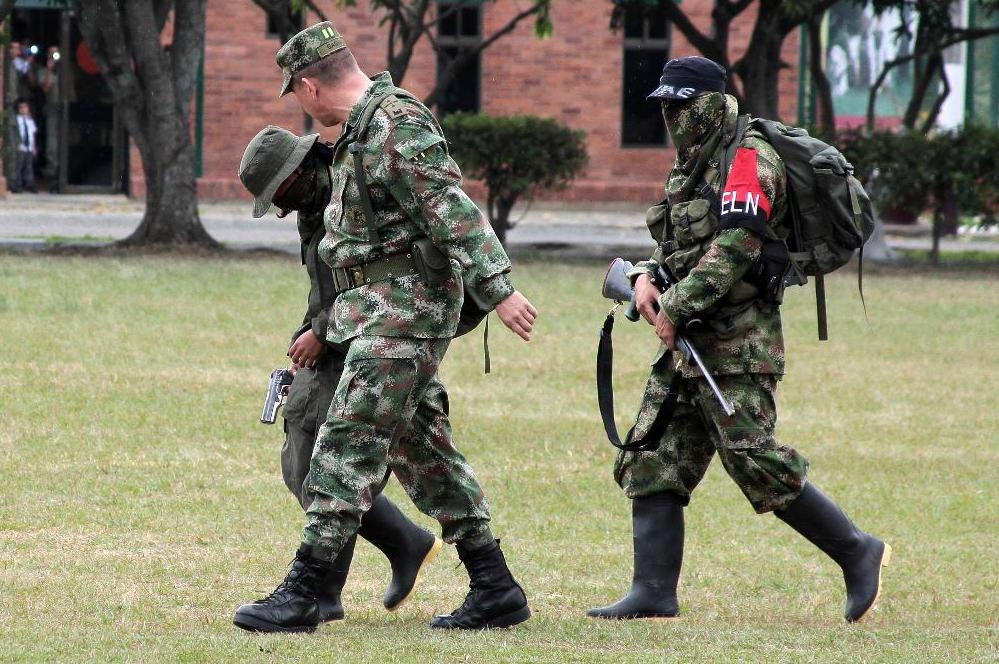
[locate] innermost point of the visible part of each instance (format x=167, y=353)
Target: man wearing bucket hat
x=290, y=171
x=710, y=231
x=401, y=236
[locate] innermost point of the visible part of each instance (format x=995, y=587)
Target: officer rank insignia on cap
x=333, y=42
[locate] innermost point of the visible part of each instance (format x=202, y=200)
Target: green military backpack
x=829, y=216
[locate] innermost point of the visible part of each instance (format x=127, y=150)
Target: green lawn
x=142, y=500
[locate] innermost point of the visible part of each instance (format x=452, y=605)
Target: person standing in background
x=27, y=150
x=48, y=81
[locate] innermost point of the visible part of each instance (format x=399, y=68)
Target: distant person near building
x=27, y=150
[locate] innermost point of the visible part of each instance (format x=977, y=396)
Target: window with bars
x=459, y=27
x=646, y=45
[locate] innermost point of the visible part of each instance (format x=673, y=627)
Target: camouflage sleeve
x=426, y=182
x=649, y=267
x=753, y=189
x=730, y=255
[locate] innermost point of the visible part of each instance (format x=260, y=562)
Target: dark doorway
x=93, y=142
x=81, y=147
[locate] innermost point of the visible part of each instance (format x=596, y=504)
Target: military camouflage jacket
x=712, y=249
x=415, y=190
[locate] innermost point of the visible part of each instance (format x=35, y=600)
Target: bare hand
x=306, y=350
x=647, y=298
x=666, y=330
x=518, y=314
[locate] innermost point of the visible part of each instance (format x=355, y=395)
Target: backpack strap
x=733, y=145
x=731, y=142
x=389, y=99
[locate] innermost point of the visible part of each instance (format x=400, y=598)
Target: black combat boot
x=408, y=547
x=328, y=597
x=494, y=599
x=861, y=556
x=293, y=606
x=657, y=535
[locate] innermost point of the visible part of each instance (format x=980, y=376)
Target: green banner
x=41, y=4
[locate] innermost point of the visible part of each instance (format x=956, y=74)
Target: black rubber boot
x=408, y=547
x=657, y=533
x=293, y=606
x=861, y=555
x=328, y=597
x=494, y=598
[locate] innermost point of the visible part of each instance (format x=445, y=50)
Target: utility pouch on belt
x=432, y=264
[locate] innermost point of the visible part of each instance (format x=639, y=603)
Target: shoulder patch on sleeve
x=395, y=107
x=413, y=147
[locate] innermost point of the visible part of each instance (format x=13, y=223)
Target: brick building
x=575, y=77
x=585, y=76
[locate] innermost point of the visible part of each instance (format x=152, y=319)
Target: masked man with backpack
x=404, y=242
x=711, y=230
x=292, y=172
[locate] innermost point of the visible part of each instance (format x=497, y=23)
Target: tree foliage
x=949, y=173
x=758, y=69
x=411, y=21
x=933, y=25
x=515, y=157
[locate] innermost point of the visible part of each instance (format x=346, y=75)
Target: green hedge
x=515, y=157
x=948, y=173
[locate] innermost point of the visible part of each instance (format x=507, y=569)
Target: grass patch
x=142, y=500
x=970, y=256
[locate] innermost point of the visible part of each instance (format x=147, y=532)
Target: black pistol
x=277, y=391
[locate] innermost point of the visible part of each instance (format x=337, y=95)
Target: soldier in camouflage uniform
x=710, y=237
x=291, y=172
x=401, y=245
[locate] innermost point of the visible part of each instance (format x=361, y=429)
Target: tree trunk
x=876, y=249
x=924, y=77
x=498, y=209
x=825, y=117
x=759, y=68
x=936, y=230
x=171, y=216
x=153, y=86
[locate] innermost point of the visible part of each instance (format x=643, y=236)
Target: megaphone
x=617, y=286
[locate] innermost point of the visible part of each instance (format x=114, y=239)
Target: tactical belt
x=396, y=265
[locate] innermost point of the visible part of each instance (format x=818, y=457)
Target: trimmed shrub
x=515, y=157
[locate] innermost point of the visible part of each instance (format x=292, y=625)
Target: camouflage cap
x=268, y=160
x=307, y=47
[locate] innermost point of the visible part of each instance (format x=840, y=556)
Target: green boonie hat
x=269, y=159
x=307, y=47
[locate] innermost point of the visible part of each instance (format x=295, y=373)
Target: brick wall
x=574, y=77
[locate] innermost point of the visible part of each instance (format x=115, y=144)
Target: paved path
x=29, y=221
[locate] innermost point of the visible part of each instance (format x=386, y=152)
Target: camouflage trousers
x=390, y=412
x=770, y=475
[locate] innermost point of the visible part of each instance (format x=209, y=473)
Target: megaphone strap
x=605, y=398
